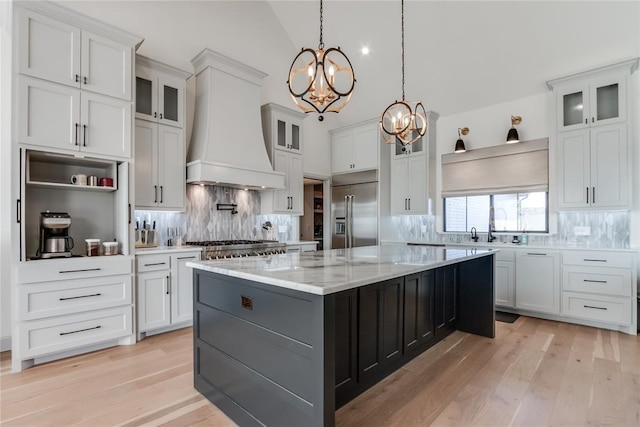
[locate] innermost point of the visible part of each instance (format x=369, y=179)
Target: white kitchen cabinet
x=355, y=148
x=62, y=52
x=413, y=174
x=64, y=305
x=165, y=295
x=505, y=279
x=285, y=158
x=599, y=286
x=594, y=168
x=160, y=92
x=591, y=100
x=58, y=117
x=282, y=128
x=302, y=247
x=159, y=166
x=538, y=281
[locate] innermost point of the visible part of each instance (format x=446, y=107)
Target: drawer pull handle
x=594, y=281
x=597, y=308
x=187, y=257
x=80, y=330
x=155, y=263
x=594, y=260
x=80, y=271
x=246, y=302
x=537, y=254
x=81, y=296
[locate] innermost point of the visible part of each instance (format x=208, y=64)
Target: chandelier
x=403, y=122
x=321, y=80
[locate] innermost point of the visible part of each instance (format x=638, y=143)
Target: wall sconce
x=460, y=143
x=512, y=135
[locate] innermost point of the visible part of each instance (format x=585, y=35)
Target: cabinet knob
x=155, y=115
x=160, y=116
x=85, y=79
x=77, y=78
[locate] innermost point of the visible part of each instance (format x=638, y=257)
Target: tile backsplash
x=202, y=221
x=608, y=229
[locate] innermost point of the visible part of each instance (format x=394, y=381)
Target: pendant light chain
x=402, y=32
x=321, y=45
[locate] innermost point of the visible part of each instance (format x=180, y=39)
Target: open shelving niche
x=96, y=212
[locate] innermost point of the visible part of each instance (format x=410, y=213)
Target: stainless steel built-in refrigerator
x=354, y=210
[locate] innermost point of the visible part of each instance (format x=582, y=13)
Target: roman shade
x=503, y=169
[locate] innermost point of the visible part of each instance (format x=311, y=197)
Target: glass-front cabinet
x=160, y=92
x=592, y=102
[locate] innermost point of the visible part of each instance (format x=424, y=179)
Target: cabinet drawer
x=608, y=281
x=153, y=262
x=45, y=336
x=505, y=255
x=38, y=300
x=598, y=258
x=72, y=268
x=598, y=308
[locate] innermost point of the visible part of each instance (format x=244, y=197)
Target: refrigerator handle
x=347, y=215
x=350, y=219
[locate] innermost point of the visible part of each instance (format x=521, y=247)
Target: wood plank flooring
x=534, y=373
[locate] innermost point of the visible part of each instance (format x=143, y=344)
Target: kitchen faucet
x=490, y=237
x=474, y=234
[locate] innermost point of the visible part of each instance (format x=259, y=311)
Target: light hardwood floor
x=535, y=372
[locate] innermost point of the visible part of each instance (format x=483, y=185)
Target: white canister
x=110, y=248
x=93, y=247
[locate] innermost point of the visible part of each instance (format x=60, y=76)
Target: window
x=515, y=212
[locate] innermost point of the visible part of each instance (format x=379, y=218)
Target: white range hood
x=227, y=146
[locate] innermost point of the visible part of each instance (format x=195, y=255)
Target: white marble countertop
x=335, y=270
x=167, y=249
x=301, y=242
x=508, y=245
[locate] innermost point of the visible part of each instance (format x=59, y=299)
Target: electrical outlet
x=423, y=228
x=582, y=230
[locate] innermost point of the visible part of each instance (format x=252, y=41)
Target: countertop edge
x=509, y=245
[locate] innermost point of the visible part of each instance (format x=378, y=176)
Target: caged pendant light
x=321, y=80
x=403, y=122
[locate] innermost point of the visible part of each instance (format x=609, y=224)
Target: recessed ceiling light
x=365, y=50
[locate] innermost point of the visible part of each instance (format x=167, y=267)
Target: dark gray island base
x=266, y=354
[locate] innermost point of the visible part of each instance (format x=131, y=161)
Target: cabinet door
x=106, y=125
x=146, y=164
x=281, y=197
x=445, y=299
x=296, y=184
x=171, y=167
x=538, y=281
x=153, y=300
x=608, y=100
x=572, y=106
x=417, y=185
x=48, y=114
x=106, y=66
x=346, y=340
x=341, y=152
x=399, y=180
x=609, y=167
x=418, y=313
x=146, y=94
x=574, y=180
x=171, y=101
x=505, y=284
x=182, y=287
x=48, y=48
x=365, y=148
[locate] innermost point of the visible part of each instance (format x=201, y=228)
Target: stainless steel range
x=221, y=249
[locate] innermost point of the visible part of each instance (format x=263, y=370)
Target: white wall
x=489, y=126
x=5, y=175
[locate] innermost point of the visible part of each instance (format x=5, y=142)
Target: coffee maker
x=55, y=241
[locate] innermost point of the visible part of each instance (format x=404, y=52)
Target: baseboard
x=5, y=343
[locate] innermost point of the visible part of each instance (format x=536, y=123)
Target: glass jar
x=110, y=248
x=93, y=247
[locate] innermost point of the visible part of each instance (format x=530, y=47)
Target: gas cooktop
x=233, y=242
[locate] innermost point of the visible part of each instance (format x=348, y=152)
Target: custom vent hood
x=227, y=147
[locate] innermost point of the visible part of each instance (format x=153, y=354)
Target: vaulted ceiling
x=460, y=55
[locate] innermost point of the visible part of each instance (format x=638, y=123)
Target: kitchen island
x=286, y=339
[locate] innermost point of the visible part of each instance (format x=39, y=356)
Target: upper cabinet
x=355, y=148
x=160, y=92
x=59, y=52
x=282, y=131
x=282, y=128
x=413, y=173
x=593, y=160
